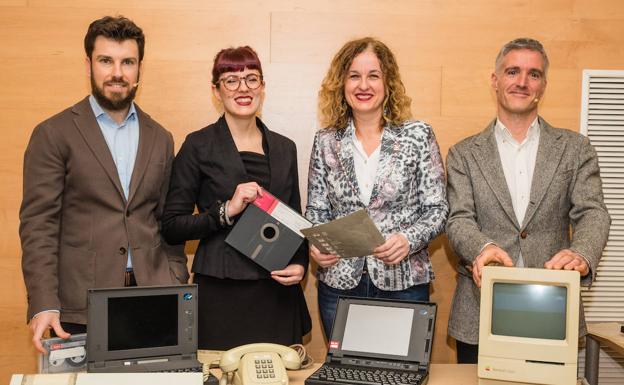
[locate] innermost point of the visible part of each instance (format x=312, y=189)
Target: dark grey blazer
x=566, y=191
x=75, y=223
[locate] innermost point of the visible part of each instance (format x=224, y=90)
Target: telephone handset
x=259, y=364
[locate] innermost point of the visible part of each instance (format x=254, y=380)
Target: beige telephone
x=259, y=364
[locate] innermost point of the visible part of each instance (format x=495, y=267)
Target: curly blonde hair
x=333, y=108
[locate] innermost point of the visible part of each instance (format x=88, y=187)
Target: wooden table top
x=607, y=333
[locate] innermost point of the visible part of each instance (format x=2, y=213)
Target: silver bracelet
x=222, y=214
x=225, y=216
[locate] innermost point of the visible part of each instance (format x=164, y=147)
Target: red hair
x=235, y=60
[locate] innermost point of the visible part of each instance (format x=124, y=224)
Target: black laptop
x=377, y=342
x=143, y=329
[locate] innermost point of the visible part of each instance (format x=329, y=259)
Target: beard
x=117, y=101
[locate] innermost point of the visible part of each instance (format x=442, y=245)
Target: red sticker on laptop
x=334, y=344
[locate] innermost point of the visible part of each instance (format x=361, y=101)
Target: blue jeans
x=328, y=297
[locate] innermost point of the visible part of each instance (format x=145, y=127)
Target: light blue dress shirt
x=123, y=143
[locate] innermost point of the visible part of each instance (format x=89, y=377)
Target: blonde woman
x=373, y=155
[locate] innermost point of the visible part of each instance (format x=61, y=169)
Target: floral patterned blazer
x=408, y=197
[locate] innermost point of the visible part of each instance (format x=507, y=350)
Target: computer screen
x=364, y=334
x=529, y=310
x=142, y=322
x=528, y=325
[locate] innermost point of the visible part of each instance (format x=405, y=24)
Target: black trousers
x=70, y=328
x=467, y=353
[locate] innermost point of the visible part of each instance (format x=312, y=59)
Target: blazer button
x=523, y=234
x=122, y=250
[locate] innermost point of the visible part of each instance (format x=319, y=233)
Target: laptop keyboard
x=357, y=375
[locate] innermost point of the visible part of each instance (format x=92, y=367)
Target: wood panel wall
x=445, y=49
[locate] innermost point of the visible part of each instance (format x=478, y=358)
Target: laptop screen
x=141, y=322
x=383, y=329
x=364, y=334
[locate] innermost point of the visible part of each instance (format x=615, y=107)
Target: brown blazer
x=75, y=223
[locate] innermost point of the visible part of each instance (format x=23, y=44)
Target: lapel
x=388, y=149
x=229, y=153
x=485, y=152
x=344, y=149
x=276, y=157
x=549, y=152
x=90, y=131
x=147, y=136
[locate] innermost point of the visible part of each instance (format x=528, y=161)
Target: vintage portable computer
x=143, y=329
x=378, y=341
x=529, y=323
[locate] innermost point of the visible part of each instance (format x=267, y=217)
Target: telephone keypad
x=264, y=368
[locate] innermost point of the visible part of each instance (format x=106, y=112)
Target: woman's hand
x=245, y=193
x=394, y=250
x=323, y=260
x=290, y=275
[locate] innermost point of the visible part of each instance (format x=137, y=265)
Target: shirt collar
x=99, y=112
x=350, y=129
x=503, y=132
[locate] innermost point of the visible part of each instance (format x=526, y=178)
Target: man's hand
x=290, y=275
x=567, y=259
x=490, y=254
x=394, y=250
x=323, y=260
x=42, y=322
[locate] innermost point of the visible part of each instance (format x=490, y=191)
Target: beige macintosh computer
x=529, y=323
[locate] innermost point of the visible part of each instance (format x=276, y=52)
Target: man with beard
x=521, y=193
x=95, y=180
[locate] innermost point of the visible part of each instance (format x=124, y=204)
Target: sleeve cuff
x=46, y=311
x=589, y=266
x=484, y=246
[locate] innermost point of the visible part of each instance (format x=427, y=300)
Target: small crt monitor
x=528, y=327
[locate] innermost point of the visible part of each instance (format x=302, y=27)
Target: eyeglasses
x=233, y=82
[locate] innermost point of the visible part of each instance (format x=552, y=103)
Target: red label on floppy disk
x=266, y=202
x=280, y=211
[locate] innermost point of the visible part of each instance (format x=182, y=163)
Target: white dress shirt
x=518, y=161
x=365, y=168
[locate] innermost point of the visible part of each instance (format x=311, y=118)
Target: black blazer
x=205, y=173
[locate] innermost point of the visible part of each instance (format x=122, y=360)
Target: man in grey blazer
x=521, y=193
x=95, y=180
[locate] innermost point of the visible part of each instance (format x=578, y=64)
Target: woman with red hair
x=219, y=170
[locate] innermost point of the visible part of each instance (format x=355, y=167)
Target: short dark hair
x=235, y=60
x=522, y=43
x=117, y=28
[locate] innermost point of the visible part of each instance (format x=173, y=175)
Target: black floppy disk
x=268, y=232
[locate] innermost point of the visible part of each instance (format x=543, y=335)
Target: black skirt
x=237, y=312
